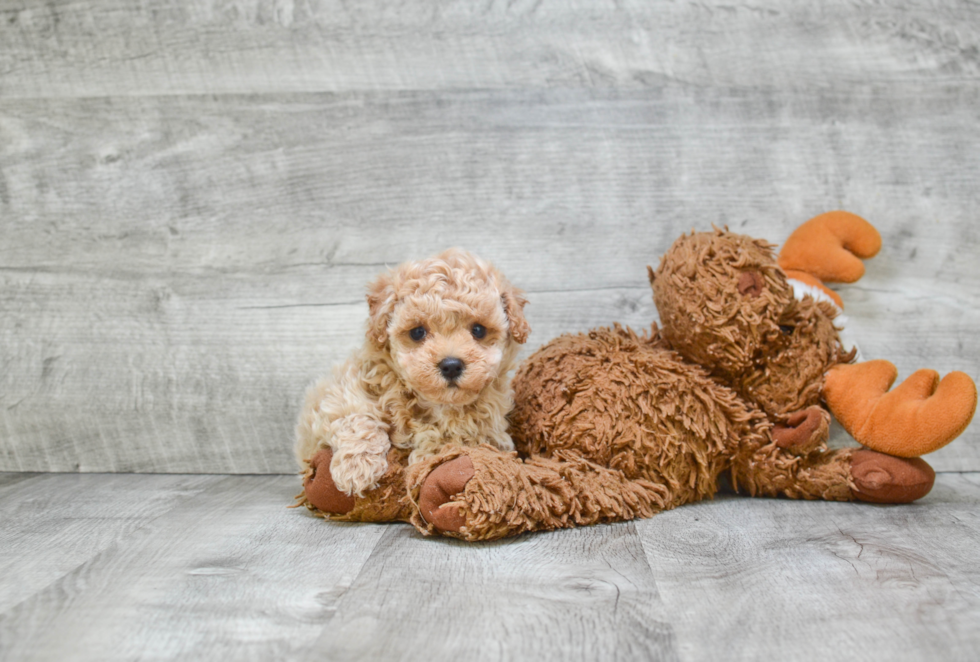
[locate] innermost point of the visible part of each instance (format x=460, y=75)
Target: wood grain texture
x=215, y=567
x=52, y=526
x=135, y=47
x=585, y=594
x=13, y=478
x=175, y=270
x=774, y=579
x=194, y=195
x=228, y=572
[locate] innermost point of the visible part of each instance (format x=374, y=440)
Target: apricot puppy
x=442, y=336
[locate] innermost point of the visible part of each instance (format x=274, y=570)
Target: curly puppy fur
x=396, y=389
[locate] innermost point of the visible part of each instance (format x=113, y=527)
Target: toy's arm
x=828, y=248
x=483, y=494
x=798, y=465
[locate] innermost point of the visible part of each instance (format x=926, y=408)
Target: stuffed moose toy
x=740, y=379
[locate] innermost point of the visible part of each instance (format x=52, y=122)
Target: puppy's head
x=450, y=324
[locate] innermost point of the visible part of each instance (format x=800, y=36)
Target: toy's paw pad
x=321, y=492
x=804, y=431
x=445, y=482
x=880, y=478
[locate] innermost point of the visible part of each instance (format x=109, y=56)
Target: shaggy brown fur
x=731, y=385
x=615, y=426
x=386, y=502
x=626, y=402
x=611, y=424
x=507, y=496
x=769, y=347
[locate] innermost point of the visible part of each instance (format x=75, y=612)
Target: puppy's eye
x=479, y=331
x=787, y=330
x=417, y=334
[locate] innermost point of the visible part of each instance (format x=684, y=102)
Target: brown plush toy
x=740, y=379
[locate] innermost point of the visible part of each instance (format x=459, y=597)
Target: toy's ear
x=381, y=298
x=514, y=302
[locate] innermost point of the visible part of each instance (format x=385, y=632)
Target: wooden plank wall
x=193, y=195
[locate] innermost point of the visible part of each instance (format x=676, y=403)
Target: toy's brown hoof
x=445, y=482
x=880, y=478
x=320, y=489
x=804, y=431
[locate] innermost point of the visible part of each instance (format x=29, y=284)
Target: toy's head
x=725, y=304
x=449, y=324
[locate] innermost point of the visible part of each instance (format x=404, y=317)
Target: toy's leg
x=772, y=471
x=828, y=247
x=484, y=494
x=797, y=465
x=387, y=502
x=920, y=415
x=842, y=475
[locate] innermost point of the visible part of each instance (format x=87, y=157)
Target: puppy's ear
x=381, y=300
x=514, y=302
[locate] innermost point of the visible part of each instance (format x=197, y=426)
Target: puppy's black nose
x=451, y=368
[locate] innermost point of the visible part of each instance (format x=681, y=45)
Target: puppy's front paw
x=354, y=473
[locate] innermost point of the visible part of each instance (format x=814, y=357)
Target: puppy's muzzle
x=451, y=368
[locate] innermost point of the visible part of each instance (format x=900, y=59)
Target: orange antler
x=828, y=247
x=920, y=415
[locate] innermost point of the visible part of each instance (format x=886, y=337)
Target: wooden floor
x=114, y=567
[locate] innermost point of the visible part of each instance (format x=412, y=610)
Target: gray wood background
x=194, y=195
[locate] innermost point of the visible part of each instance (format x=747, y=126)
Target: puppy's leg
x=360, y=443
x=340, y=415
